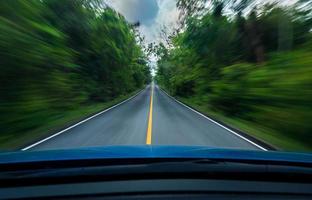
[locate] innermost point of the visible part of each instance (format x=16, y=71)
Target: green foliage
x=280, y=94
x=57, y=55
x=256, y=68
x=229, y=92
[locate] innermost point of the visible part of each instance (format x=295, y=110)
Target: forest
x=61, y=60
x=247, y=65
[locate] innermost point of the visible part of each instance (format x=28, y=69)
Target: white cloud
x=144, y=11
x=168, y=16
x=152, y=14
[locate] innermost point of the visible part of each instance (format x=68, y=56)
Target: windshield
x=225, y=74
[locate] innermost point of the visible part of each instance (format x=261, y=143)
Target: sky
x=155, y=14
x=152, y=15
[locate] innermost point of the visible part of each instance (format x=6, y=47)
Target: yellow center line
x=150, y=119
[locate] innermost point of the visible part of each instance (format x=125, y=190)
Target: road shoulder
x=247, y=137
x=68, y=119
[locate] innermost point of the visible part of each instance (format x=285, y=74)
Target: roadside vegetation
x=251, y=68
x=62, y=61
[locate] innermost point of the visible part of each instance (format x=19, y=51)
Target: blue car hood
x=148, y=151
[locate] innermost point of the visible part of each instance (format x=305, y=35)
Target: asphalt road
x=170, y=123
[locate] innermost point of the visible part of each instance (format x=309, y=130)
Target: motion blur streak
x=245, y=63
x=61, y=60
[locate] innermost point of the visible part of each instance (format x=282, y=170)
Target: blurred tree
x=57, y=55
x=215, y=57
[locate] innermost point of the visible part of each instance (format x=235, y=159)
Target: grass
x=269, y=136
x=20, y=140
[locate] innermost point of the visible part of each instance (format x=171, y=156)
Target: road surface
x=151, y=117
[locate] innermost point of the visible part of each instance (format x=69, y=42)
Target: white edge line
x=231, y=131
x=66, y=129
